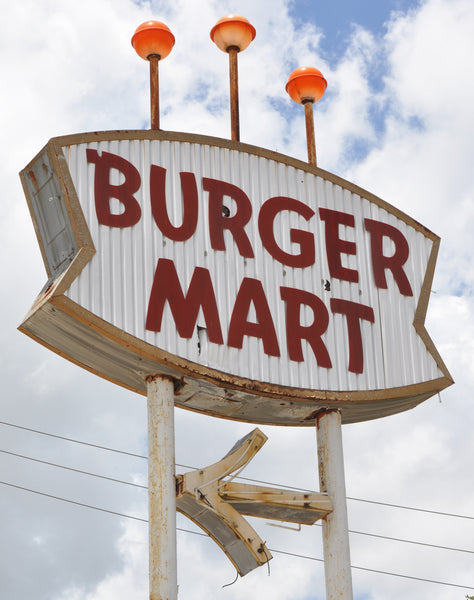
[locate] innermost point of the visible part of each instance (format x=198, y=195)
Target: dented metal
x=213, y=501
x=275, y=503
x=199, y=499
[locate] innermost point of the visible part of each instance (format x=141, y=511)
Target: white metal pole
x=337, y=560
x=161, y=489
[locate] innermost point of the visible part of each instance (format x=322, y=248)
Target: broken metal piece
x=277, y=504
x=213, y=501
x=199, y=499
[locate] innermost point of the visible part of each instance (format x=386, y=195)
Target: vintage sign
x=268, y=288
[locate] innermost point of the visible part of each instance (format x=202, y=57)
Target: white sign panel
x=270, y=289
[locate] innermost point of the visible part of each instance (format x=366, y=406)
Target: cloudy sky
x=398, y=120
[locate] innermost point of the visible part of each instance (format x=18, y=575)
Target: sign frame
x=101, y=348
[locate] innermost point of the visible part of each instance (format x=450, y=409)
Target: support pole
x=234, y=93
x=310, y=138
x=161, y=489
x=154, y=60
x=337, y=560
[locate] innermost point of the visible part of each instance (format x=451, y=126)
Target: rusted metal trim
x=310, y=139
x=328, y=399
x=175, y=136
x=234, y=93
x=356, y=406
x=276, y=503
x=154, y=91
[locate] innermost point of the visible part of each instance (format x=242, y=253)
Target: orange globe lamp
x=153, y=38
x=153, y=41
x=306, y=84
x=232, y=31
x=232, y=34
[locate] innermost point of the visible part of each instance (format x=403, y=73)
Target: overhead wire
x=109, y=449
x=52, y=464
x=67, y=439
x=394, y=539
x=145, y=487
x=293, y=554
x=101, y=447
x=464, y=587
x=424, y=510
x=105, y=510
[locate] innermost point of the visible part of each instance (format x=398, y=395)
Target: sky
x=396, y=120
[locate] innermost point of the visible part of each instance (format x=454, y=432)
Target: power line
x=111, y=512
x=22, y=456
x=435, y=512
x=425, y=510
x=60, y=437
x=51, y=464
x=464, y=587
x=394, y=539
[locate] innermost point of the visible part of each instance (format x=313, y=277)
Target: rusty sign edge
x=408, y=396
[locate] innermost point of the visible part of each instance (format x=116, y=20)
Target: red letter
x=395, y=262
x=251, y=290
x=104, y=190
x=295, y=332
x=304, y=239
x=218, y=221
x=354, y=313
x=185, y=310
x=158, y=204
x=335, y=246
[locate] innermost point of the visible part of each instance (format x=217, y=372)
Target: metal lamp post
x=306, y=86
x=153, y=41
x=232, y=34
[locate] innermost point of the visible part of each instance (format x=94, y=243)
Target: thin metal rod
x=234, y=93
x=310, y=138
x=337, y=560
x=161, y=489
x=154, y=60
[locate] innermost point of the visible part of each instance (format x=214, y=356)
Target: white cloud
x=68, y=67
x=422, y=162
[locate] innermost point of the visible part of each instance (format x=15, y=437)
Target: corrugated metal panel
x=116, y=284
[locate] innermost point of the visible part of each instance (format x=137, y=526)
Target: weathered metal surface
x=234, y=93
x=310, y=139
x=211, y=499
x=198, y=498
x=161, y=490
x=105, y=298
x=50, y=215
x=335, y=530
x=154, y=91
x=275, y=503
